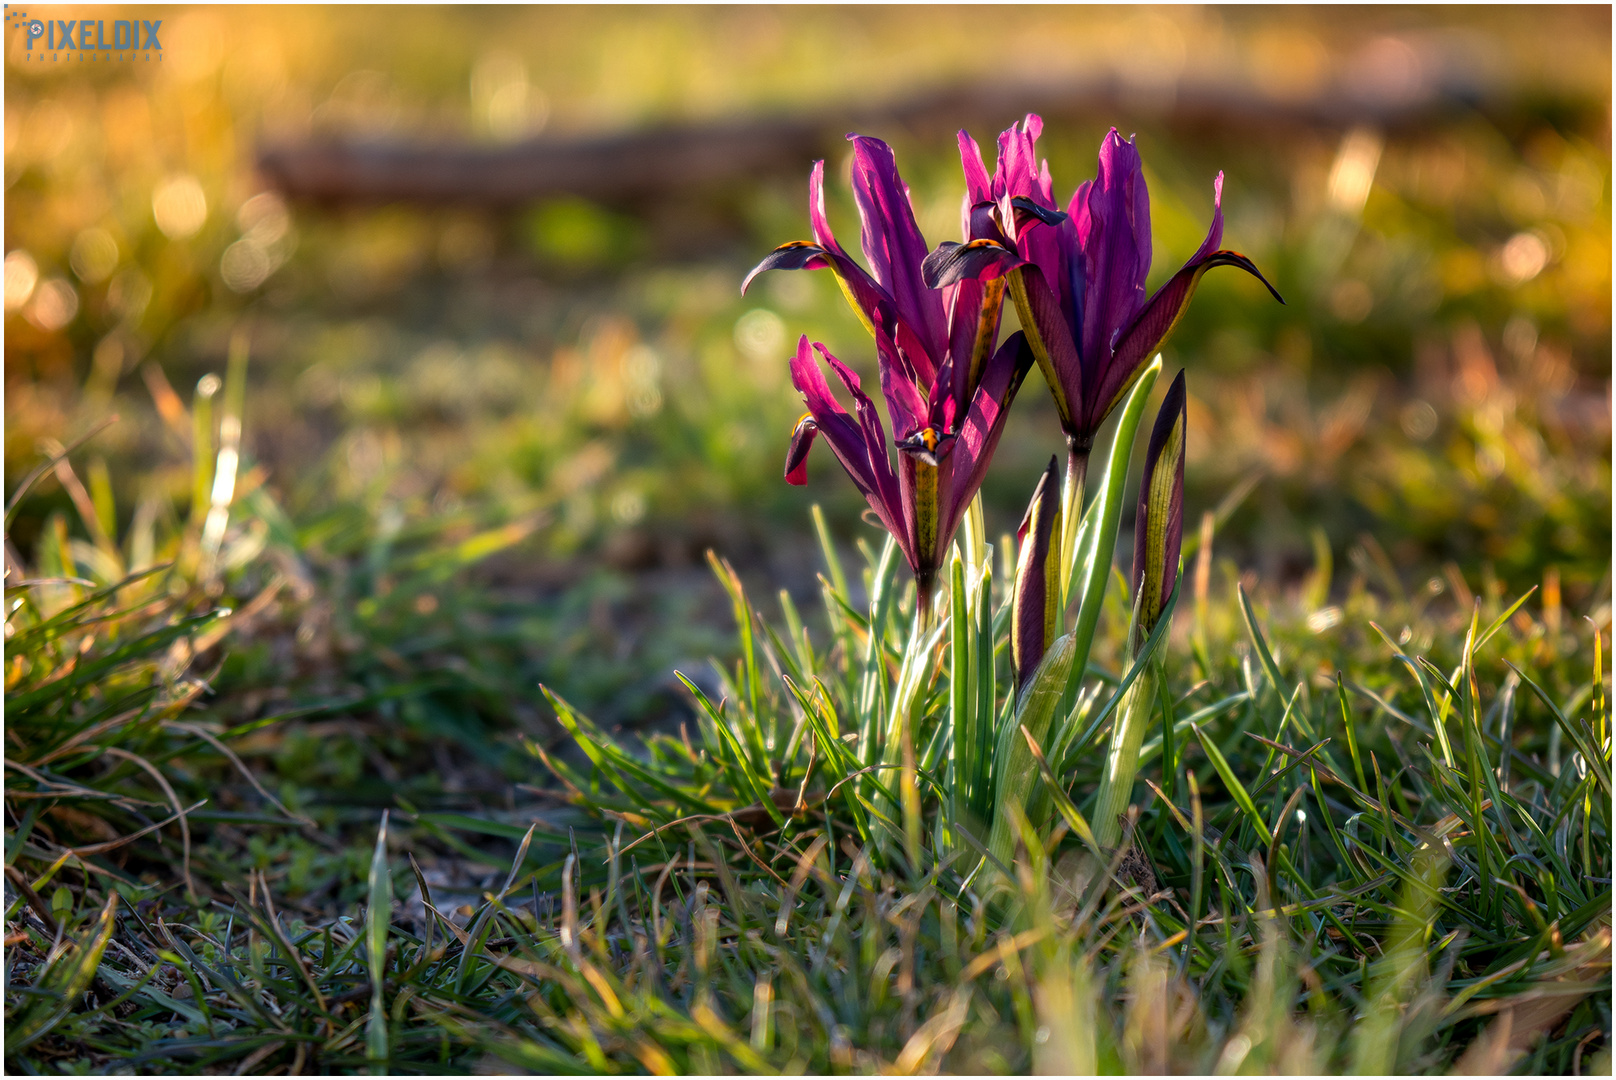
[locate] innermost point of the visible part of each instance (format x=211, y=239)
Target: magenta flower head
x=1078, y=278
x=947, y=390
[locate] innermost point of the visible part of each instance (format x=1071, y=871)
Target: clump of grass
x=1382, y=890
x=1363, y=850
x=1349, y=847
x=744, y=907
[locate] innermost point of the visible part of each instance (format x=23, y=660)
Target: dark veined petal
x=919, y=361
x=1159, y=523
x=972, y=359
x=983, y=423
x=1049, y=336
x=802, y=440
x=1214, y=232
x=1017, y=172
x=884, y=497
x=964, y=300
x=792, y=255
x=978, y=185
x=1156, y=323
x=829, y=418
x=892, y=242
x=901, y=385
x=1026, y=208
x=952, y=263
x=1037, y=593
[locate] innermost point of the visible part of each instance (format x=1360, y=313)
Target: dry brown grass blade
x=252, y=1060
x=35, y=901
x=169, y=405
x=936, y=1035
x=168, y=790
x=89, y=733
x=40, y=470
x=55, y=789
x=241, y=767
x=1003, y=950
x=81, y=498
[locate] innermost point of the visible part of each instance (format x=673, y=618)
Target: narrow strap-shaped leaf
x=1438, y=713
x=743, y=623
x=1035, y=710
x=1065, y=747
x=1181, y=725
x=1498, y=623
x=873, y=680
x=1093, y=569
x=962, y=697
x=758, y=785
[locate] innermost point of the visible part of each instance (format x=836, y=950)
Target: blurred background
x=503, y=391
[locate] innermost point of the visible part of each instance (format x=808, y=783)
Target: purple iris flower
x=948, y=391
x=1078, y=278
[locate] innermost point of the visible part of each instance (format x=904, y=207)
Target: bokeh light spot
x=760, y=335
x=180, y=206
x=94, y=256
x=54, y=305
x=22, y=274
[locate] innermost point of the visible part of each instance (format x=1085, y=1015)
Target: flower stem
x=925, y=585
x=1077, y=470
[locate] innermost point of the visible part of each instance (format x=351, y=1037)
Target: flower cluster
x=1077, y=278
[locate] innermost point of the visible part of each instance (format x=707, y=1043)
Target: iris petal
x=952, y=263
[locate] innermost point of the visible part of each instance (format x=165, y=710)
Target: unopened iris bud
x=1159, y=524
x=1037, y=599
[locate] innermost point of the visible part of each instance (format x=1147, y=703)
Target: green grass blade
x=1066, y=744
x=1237, y=790
x=1598, y=763
x=64, y=982
x=378, y=916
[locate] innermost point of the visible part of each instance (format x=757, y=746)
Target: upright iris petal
x=947, y=388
